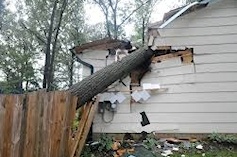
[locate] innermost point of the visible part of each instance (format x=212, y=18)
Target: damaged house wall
x=201, y=95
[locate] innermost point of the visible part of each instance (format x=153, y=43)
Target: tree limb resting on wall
x=100, y=80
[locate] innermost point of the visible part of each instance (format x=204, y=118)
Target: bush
x=222, y=138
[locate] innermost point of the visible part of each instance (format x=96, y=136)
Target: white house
x=198, y=93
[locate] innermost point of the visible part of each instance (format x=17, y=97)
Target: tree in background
x=17, y=58
x=54, y=24
x=51, y=30
x=142, y=17
x=1, y=6
x=117, y=13
x=1, y=12
x=95, y=32
x=38, y=28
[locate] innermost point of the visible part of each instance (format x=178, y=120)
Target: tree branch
x=131, y=14
x=51, y=68
x=48, y=44
x=34, y=33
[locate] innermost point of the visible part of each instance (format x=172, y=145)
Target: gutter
x=82, y=62
x=178, y=14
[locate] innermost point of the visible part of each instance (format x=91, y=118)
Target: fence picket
x=39, y=124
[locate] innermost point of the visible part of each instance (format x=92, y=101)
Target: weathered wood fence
x=39, y=124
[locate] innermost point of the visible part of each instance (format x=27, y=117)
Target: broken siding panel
x=184, y=69
x=217, y=107
x=175, y=118
x=167, y=128
x=173, y=62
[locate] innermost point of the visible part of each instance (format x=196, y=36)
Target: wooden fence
x=39, y=124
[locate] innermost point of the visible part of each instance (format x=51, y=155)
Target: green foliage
x=76, y=120
x=1, y=12
x=142, y=19
x=105, y=142
x=23, y=39
x=75, y=125
x=117, y=14
x=150, y=143
x=222, y=138
x=102, y=148
x=17, y=57
x=87, y=152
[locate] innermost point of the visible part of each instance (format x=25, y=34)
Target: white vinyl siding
x=97, y=58
x=201, y=97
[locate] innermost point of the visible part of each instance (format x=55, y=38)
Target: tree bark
x=51, y=66
x=71, y=70
x=99, y=81
x=143, y=31
x=48, y=44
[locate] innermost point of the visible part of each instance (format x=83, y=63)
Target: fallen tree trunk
x=100, y=80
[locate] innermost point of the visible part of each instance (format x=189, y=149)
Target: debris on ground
x=200, y=147
x=163, y=147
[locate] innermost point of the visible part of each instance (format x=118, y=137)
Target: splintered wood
x=185, y=55
x=88, y=112
x=39, y=124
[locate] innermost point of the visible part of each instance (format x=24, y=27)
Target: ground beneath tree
x=168, y=147
x=209, y=150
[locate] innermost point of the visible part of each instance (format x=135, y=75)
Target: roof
x=171, y=13
x=102, y=44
